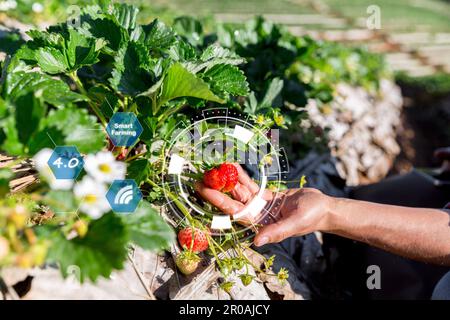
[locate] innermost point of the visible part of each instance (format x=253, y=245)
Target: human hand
x=244, y=191
x=301, y=211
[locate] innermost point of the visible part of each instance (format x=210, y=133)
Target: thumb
x=276, y=232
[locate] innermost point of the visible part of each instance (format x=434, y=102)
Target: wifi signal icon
x=124, y=196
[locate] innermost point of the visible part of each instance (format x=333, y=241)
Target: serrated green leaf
x=147, y=229
x=65, y=50
x=214, y=55
x=227, y=79
x=81, y=50
x=29, y=111
x=158, y=36
x=184, y=51
x=101, y=251
x=125, y=15
x=51, y=60
x=138, y=170
x=44, y=38
x=130, y=74
x=53, y=91
x=179, y=82
x=107, y=29
x=77, y=127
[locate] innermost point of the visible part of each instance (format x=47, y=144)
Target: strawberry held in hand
x=223, y=178
x=198, y=243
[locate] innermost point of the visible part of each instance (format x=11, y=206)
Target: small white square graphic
x=176, y=164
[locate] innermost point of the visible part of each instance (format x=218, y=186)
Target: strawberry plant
x=62, y=88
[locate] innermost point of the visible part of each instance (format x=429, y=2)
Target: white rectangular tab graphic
x=221, y=222
x=242, y=134
x=176, y=164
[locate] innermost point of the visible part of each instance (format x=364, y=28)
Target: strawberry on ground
x=193, y=240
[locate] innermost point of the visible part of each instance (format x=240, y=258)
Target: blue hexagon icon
x=124, y=196
x=124, y=129
x=66, y=162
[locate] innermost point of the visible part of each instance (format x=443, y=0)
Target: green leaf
x=51, y=60
x=214, y=55
x=179, y=82
x=53, y=91
x=81, y=50
x=138, y=170
x=101, y=251
x=45, y=138
x=158, y=36
x=61, y=201
x=216, y=52
x=275, y=87
x=10, y=137
x=62, y=52
x=28, y=113
x=130, y=74
x=227, y=79
x=5, y=176
x=125, y=15
x=77, y=127
x=109, y=30
x=107, y=101
x=147, y=229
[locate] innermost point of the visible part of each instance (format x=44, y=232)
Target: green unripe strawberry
x=187, y=262
x=246, y=279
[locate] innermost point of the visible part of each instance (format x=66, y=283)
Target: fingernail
x=262, y=241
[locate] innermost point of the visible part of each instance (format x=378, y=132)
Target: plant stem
x=175, y=200
x=73, y=75
x=168, y=113
x=134, y=157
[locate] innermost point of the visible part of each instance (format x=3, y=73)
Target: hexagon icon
x=66, y=162
x=124, y=196
x=124, y=129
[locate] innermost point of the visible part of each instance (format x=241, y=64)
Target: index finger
x=218, y=199
x=245, y=180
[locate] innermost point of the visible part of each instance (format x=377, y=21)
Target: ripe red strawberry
x=230, y=173
x=199, y=243
x=222, y=178
x=214, y=179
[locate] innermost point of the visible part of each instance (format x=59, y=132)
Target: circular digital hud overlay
x=213, y=137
